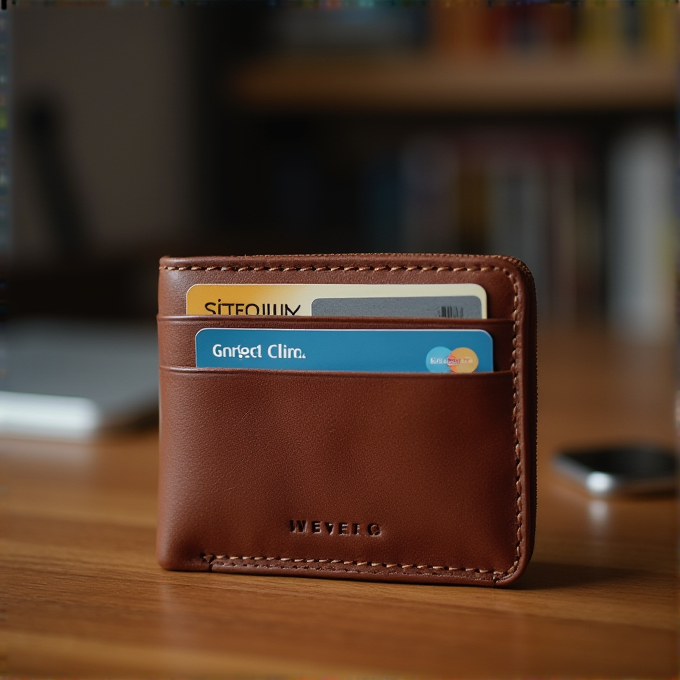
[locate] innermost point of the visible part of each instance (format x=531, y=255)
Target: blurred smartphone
x=614, y=470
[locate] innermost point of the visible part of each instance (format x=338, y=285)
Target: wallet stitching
x=246, y=565
x=312, y=268
x=242, y=561
x=518, y=460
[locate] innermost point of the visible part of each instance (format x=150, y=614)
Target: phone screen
x=627, y=461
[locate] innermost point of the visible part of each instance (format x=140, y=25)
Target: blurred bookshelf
x=438, y=83
x=460, y=55
x=545, y=131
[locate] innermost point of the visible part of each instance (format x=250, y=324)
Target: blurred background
x=132, y=129
x=544, y=131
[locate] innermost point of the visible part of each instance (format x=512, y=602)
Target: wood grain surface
x=83, y=597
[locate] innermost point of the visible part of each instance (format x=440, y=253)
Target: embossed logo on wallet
x=303, y=526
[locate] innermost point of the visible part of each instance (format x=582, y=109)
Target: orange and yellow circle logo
x=462, y=360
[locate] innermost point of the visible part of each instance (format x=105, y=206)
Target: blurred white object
x=74, y=380
x=641, y=234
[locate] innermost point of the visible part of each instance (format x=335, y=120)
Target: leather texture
x=399, y=477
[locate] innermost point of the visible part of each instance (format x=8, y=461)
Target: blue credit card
x=370, y=350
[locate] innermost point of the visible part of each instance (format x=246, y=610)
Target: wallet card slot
x=177, y=334
x=399, y=475
x=328, y=374
x=505, y=280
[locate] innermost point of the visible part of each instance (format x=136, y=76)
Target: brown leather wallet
x=377, y=476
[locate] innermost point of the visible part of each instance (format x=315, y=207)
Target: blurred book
x=380, y=184
x=518, y=225
x=641, y=235
x=366, y=29
x=76, y=380
x=428, y=197
x=462, y=29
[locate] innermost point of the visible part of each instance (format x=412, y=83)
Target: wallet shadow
x=544, y=575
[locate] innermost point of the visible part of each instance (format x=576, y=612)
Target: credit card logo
x=459, y=360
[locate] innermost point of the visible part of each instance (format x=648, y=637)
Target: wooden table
x=83, y=596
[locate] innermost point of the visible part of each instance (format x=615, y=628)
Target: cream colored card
x=446, y=300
